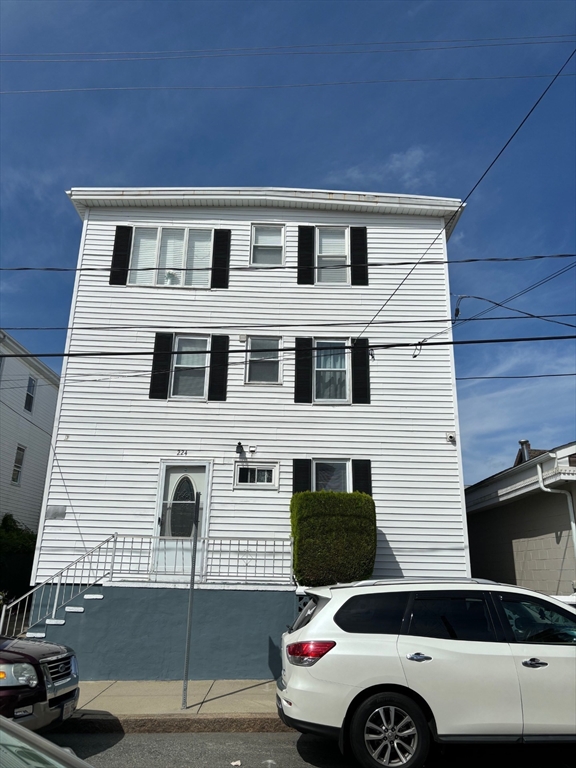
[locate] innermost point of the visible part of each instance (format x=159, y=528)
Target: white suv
x=388, y=666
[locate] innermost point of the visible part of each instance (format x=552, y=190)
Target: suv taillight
x=307, y=653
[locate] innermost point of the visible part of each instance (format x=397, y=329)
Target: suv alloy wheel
x=389, y=730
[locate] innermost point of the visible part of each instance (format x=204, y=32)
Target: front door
x=173, y=555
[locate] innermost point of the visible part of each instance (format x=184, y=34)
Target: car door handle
x=418, y=657
x=534, y=663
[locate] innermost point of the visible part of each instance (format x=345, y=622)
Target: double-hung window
x=267, y=245
x=190, y=366
x=263, y=360
x=18, y=463
x=30, y=393
x=331, y=371
x=171, y=257
x=332, y=255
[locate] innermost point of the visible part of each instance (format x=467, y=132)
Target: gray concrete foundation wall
x=139, y=633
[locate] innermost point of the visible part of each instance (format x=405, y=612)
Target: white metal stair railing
x=219, y=560
x=43, y=601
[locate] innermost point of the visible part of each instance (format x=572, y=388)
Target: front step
x=57, y=622
x=36, y=635
x=74, y=609
x=93, y=597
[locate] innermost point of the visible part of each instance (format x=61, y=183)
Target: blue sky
x=430, y=138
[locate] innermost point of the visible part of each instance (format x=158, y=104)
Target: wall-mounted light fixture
x=239, y=448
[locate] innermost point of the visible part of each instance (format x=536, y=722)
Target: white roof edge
x=41, y=368
x=444, y=207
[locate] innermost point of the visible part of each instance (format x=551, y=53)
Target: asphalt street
x=276, y=750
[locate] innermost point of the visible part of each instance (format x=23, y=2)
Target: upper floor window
x=263, y=360
x=30, y=393
x=171, y=257
x=267, y=245
x=331, y=475
x=331, y=371
x=190, y=366
x=259, y=475
x=332, y=255
x=18, y=463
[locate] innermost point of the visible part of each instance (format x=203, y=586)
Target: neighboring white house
x=521, y=521
x=28, y=395
x=243, y=369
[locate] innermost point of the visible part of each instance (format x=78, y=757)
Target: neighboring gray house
x=28, y=395
x=521, y=521
x=243, y=370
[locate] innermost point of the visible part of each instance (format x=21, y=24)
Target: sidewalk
x=140, y=706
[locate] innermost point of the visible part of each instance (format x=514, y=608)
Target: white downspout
x=570, y=506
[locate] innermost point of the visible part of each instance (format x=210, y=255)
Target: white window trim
x=192, y=398
x=156, y=272
x=317, y=253
x=247, y=464
x=346, y=461
x=348, y=368
x=20, y=466
x=253, y=226
x=280, y=363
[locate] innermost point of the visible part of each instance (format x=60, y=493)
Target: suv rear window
x=373, y=614
x=305, y=615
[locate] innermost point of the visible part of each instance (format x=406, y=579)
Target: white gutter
x=569, y=499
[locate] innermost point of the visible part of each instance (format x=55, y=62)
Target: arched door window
x=179, y=516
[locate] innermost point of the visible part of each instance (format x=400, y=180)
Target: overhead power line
x=395, y=345
x=266, y=268
x=295, y=47
x=519, y=376
x=269, y=52
x=476, y=185
x=276, y=86
x=264, y=326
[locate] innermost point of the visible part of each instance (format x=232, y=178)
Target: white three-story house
x=232, y=343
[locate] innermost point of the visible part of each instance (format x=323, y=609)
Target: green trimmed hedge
x=334, y=537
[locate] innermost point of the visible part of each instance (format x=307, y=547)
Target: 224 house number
x=181, y=452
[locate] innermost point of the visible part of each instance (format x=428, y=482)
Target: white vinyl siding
x=332, y=255
x=117, y=436
x=267, y=245
x=171, y=257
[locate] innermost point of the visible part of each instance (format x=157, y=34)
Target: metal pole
x=190, y=601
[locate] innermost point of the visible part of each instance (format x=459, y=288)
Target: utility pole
x=190, y=601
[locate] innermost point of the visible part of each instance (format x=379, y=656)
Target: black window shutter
x=306, y=255
x=360, y=371
x=362, y=476
x=218, y=379
x=121, y=256
x=161, y=366
x=301, y=475
x=358, y=256
x=303, y=371
x=221, y=258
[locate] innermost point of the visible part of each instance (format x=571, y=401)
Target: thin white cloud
x=408, y=170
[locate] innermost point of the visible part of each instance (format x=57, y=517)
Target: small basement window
x=256, y=475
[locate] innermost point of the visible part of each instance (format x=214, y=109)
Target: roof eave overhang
x=449, y=209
